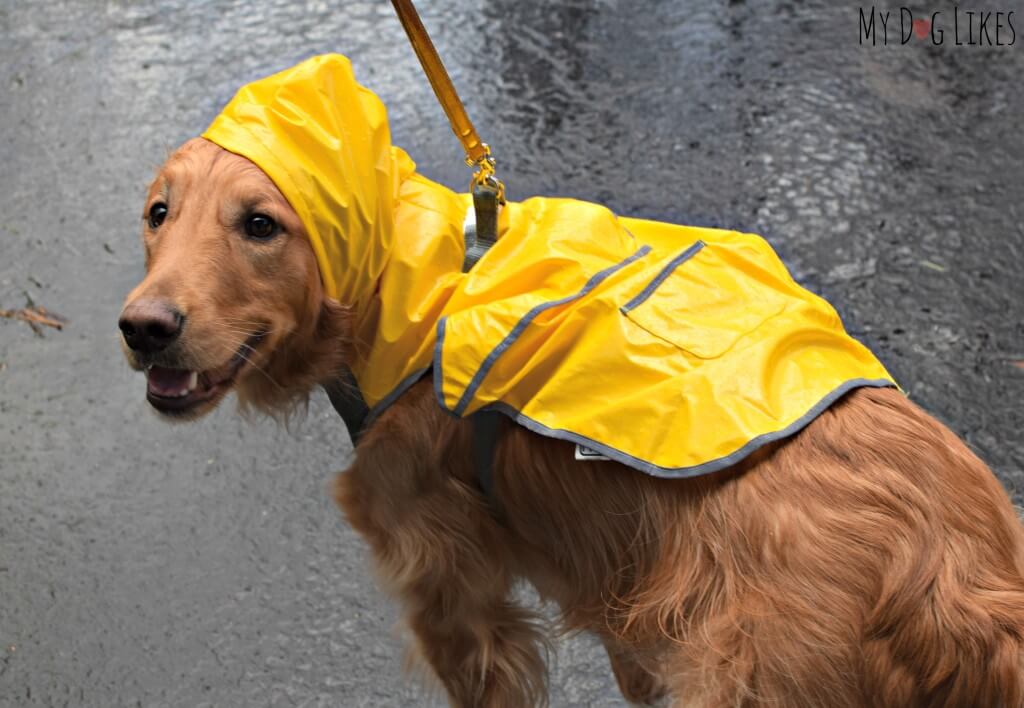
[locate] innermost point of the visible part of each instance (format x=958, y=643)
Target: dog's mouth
x=181, y=391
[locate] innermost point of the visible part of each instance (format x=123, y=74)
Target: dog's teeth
x=193, y=381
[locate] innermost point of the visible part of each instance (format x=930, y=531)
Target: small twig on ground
x=35, y=315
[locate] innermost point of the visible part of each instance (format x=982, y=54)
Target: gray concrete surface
x=203, y=565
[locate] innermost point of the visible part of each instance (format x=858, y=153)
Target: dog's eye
x=260, y=226
x=157, y=214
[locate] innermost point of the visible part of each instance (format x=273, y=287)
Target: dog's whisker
x=258, y=368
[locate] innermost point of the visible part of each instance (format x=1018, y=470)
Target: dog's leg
x=638, y=685
x=441, y=553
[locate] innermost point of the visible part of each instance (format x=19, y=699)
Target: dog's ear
x=334, y=326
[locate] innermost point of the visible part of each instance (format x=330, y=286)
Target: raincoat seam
x=661, y=277
x=524, y=322
x=708, y=467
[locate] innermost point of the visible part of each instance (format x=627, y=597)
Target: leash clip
x=488, y=197
x=488, y=192
x=485, y=172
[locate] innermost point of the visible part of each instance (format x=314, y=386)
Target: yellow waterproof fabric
x=325, y=142
x=677, y=350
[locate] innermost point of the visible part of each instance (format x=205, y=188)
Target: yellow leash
x=488, y=191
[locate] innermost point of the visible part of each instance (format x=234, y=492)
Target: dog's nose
x=149, y=326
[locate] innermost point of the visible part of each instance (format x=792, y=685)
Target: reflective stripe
x=401, y=388
x=517, y=330
x=438, y=368
x=660, y=278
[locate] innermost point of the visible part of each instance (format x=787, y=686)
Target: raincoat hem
x=396, y=392
x=704, y=467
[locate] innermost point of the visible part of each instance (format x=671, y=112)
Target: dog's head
x=232, y=297
x=264, y=240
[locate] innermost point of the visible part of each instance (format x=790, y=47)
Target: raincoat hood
x=324, y=141
x=676, y=350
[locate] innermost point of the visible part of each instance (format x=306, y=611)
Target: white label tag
x=588, y=455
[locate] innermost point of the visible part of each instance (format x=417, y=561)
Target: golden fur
x=871, y=560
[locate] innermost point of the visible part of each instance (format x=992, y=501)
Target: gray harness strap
x=349, y=404
x=480, y=227
x=486, y=428
x=480, y=231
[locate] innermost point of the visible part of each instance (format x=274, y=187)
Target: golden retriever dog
x=870, y=560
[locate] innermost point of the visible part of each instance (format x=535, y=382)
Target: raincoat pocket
x=703, y=302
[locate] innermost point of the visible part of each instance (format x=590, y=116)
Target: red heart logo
x=922, y=28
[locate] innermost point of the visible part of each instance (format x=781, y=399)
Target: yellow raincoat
x=676, y=350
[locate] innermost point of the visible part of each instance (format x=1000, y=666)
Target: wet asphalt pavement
x=143, y=564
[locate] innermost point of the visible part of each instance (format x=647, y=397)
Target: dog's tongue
x=170, y=382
